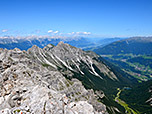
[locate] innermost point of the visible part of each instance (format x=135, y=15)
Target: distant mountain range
x=25, y=43
x=135, y=45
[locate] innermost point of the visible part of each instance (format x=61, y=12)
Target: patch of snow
x=77, y=67
x=46, y=60
x=63, y=63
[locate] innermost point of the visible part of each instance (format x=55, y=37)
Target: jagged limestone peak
x=53, y=71
x=34, y=48
x=48, y=47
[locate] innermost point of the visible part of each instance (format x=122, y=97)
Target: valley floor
x=125, y=105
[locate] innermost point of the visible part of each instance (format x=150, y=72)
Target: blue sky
x=95, y=18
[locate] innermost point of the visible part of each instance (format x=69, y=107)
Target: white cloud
x=4, y=30
x=50, y=31
x=56, y=32
x=79, y=33
x=87, y=33
x=71, y=33
x=83, y=33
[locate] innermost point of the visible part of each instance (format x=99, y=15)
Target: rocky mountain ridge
x=29, y=87
x=58, y=79
x=65, y=56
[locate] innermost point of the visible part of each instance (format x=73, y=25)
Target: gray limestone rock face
x=30, y=82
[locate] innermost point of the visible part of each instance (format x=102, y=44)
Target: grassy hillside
x=136, y=45
x=137, y=97
x=133, y=56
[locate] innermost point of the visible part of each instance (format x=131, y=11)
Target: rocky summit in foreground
x=53, y=80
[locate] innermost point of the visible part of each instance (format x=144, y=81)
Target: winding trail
x=122, y=103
